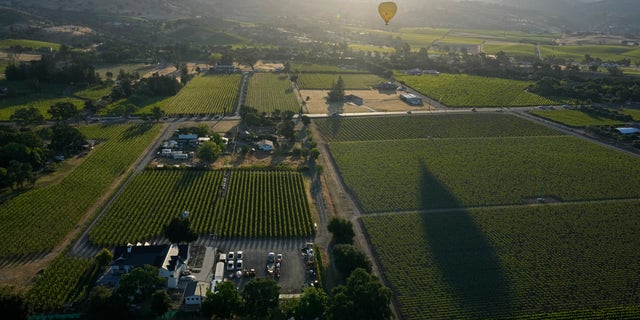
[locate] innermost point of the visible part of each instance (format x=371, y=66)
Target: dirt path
x=22, y=272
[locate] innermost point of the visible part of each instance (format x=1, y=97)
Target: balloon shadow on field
x=463, y=255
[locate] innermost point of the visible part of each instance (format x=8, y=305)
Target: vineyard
x=268, y=92
x=445, y=173
x=551, y=262
x=66, y=279
x=36, y=220
x=461, y=90
x=319, y=68
x=575, y=118
x=323, y=81
x=435, y=126
x=215, y=94
x=247, y=203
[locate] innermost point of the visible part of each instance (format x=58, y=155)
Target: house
x=265, y=145
x=353, y=98
x=188, y=137
x=166, y=152
x=171, y=259
x=630, y=130
x=178, y=155
x=224, y=68
x=411, y=99
x=195, y=292
x=386, y=86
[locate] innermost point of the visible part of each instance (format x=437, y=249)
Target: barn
x=411, y=99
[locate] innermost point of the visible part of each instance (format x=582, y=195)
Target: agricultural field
x=141, y=68
x=562, y=261
x=267, y=92
x=207, y=95
x=467, y=172
x=31, y=44
x=92, y=92
x=318, y=68
x=507, y=36
x=38, y=219
x=511, y=49
x=321, y=81
x=246, y=204
x=604, y=52
x=467, y=125
x=372, y=48
x=575, y=118
x=464, y=90
x=66, y=279
x=635, y=113
x=42, y=102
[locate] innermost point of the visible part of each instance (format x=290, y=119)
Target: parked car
x=230, y=265
x=190, y=278
x=231, y=255
x=239, y=255
x=279, y=257
x=239, y=264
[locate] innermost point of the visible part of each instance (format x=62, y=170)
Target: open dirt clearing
x=374, y=101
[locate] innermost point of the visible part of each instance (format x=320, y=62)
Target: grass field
x=140, y=68
x=321, y=68
x=92, y=92
x=635, y=113
x=207, y=95
x=575, y=118
x=604, y=52
x=541, y=262
x=36, y=220
x=254, y=204
x=511, y=49
x=42, y=102
x=372, y=48
x=461, y=90
x=320, y=81
x=267, y=92
x=31, y=44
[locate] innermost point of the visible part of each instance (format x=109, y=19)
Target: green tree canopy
x=363, y=297
x=209, y=151
x=63, y=111
x=66, y=139
x=104, y=257
x=26, y=117
x=313, y=304
x=104, y=304
x=342, y=230
x=178, y=230
x=160, y=302
x=157, y=113
x=337, y=91
x=224, y=303
x=261, y=298
x=348, y=258
x=141, y=282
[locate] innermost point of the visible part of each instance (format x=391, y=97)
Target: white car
x=239, y=265
x=230, y=265
x=239, y=255
x=231, y=256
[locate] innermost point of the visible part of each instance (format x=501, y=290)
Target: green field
x=141, y=68
x=42, y=102
x=635, y=113
x=511, y=49
x=66, y=280
x=575, y=118
x=372, y=48
x=321, y=81
x=268, y=92
x=321, y=68
x=469, y=125
x=461, y=90
x=524, y=262
x=254, y=204
x=207, y=95
x=604, y=52
x=92, y=92
x=498, y=161
x=38, y=219
x=31, y=44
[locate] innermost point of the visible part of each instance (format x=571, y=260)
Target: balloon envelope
x=387, y=10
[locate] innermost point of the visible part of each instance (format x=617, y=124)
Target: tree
x=363, y=297
x=348, y=258
x=12, y=304
x=140, y=283
x=178, y=230
x=26, y=117
x=160, y=301
x=287, y=129
x=157, y=113
x=104, y=304
x=209, y=151
x=18, y=173
x=337, y=91
x=306, y=120
x=66, y=139
x=224, y=303
x=63, y=111
x=313, y=304
x=342, y=230
x=261, y=298
x=103, y=258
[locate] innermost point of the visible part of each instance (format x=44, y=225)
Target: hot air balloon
x=387, y=10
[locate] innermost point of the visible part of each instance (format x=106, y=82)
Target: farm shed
x=386, y=86
x=628, y=130
x=265, y=145
x=411, y=99
x=170, y=259
x=353, y=98
x=195, y=292
x=187, y=137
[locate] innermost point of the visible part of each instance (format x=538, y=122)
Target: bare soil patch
x=374, y=101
